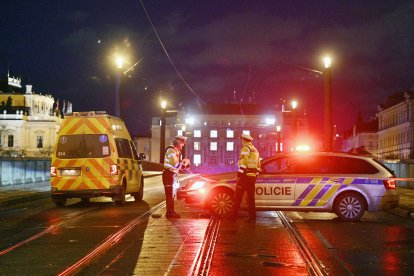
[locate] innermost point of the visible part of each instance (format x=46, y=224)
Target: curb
x=400, y=212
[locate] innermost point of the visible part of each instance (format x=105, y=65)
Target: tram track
x=314, y=264
x=73, y=217
x=204, y=257
x=109, y=242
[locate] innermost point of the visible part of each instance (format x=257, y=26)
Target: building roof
x=236, y=109
x=395, y=99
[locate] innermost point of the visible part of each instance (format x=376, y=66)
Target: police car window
x=278, y=165
x=348, y=165
x=123, y=148
x=311, y=164
x=134, y=151
x=83, y=146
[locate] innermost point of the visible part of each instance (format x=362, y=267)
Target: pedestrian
x=249, y=168
x=173, y=163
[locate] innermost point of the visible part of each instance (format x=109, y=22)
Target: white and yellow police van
x=94, y=156
x=345, y=184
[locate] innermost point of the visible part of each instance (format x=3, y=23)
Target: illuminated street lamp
x=119, y=62
x=162, y=131
x=278, y=138
x=327, y=73
x=294, y=105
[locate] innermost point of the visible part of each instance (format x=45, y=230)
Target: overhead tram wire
x=168, y=56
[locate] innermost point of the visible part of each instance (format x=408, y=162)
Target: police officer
x=249, y=167
x=172, y=166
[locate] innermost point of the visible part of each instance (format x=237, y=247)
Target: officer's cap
x=181, y=137
x=247, y=137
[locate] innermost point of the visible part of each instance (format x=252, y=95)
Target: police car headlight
x=197, y=185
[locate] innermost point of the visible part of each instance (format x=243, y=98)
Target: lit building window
x=213, y=133
x=197, y=160
x=230, y=146
x=197, y=133
x=197, y=146
x=213, y=146
x=246, y=132
x=230, y=133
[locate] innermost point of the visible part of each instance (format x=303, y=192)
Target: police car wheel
x=221, y=202
x=349, y=207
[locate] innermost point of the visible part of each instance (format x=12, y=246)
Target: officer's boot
x=170, y=205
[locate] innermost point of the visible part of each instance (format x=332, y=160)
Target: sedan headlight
x=197, y=185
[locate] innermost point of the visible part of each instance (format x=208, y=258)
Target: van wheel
x=140, y=195
x=221, y=202
x=349, y=206
x=59, y=201
x=120, y=197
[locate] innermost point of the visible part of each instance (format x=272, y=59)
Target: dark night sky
x=63, y=48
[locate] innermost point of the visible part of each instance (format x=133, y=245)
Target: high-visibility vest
x=172, y=158
x=249, y=161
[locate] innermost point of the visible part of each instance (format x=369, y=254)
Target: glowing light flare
x=303, y=147
x=198, y=185
x=119, y=61
x=327, y=62
x=278, y=128
x=190, y=120
x=270, y=120
x=163, y=104
x=294, y=104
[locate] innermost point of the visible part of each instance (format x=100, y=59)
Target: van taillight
x=114, y=170
x=53, y=171
x=389, y=184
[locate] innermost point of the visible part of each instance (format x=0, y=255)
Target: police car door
x=275, y=186
x=314, y=180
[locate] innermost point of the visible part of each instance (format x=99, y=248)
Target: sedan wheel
x=349, y=207
x=221, y=203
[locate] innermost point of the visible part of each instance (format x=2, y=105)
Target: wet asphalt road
x=380, y=244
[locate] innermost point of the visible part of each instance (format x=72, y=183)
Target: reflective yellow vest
x=172, y=159
x=249, y=162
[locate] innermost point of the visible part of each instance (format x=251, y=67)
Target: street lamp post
x=328, y=139
x=278, y=138
x=294, y=105
x=119, y=61
x=162, y=130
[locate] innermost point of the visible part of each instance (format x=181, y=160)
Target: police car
x=345, y=184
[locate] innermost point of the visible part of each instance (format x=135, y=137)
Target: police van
x=94, y=156
x=345, y=184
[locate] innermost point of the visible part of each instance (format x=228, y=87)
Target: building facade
x=214, y=131
x=28, y=121
x=396, y=127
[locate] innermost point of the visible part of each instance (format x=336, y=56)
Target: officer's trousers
x=168, y=181
x=245, y=184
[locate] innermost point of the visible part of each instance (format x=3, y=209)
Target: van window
x=134, y=151
x=83, y=146
x=123, y=148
